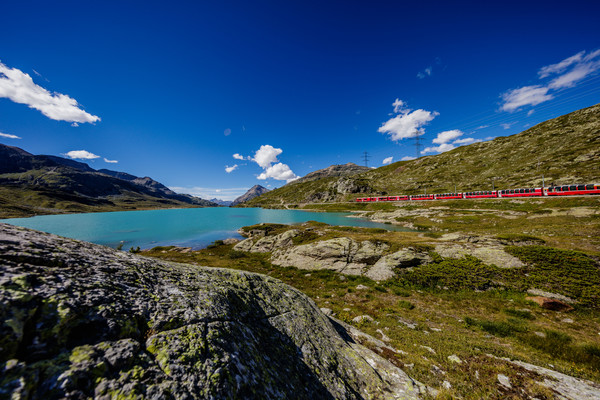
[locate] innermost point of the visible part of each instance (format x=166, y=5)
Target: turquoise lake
x=190, y=227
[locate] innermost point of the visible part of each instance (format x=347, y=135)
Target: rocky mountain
x=40, y=184
x=564, y=150
x=348, y=169
x=224, y=203
x=86, y=321
x=255, y=191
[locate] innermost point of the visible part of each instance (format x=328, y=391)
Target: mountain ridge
x=40, y=184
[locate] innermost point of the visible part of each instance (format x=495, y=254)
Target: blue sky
x=172, y=90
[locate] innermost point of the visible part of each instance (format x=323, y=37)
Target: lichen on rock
x=80, y=321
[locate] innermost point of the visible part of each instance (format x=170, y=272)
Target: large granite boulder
x=343, y=255
x=79, y=320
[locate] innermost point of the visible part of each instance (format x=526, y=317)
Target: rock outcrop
x=80, y=320
x=343, y=255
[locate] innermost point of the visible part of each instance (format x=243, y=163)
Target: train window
x=581, y=187
x=526, y=190
x=589, y=187
x=573, y=187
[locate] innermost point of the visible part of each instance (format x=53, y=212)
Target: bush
x=234, y=254
x=407, y=305
x=525, y=314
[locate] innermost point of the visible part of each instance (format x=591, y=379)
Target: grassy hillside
x=565, y=150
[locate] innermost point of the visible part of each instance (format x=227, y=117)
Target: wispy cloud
x=9, y=136
x=468, y=140
x=565, y=74
x=525, y=96
x=227, y=132
x=425, y=73
x=387, y=160
x=506, y=126
x=106, y=160
x=408, y=123
x=407, y=158
x=229, y=169
x=81, y=155
x=447, y=136
x=20, y=88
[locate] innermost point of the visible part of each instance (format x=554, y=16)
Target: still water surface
x=193, y=227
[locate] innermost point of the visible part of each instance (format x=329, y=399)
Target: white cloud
x=239, y=156
x=110, y=161
x=468, y=140
x=81, y=155
x=227, y=132
x=425, y=73
x=20, y=88
x=447, y=136
x=266, y=155
x=210, y=193
x=526, y=95
x=530, y=112
x=407, y=158
x=566, y=74
x=279, y=171
x=387, y=160
x=438, y=149
x=578, y=73
x=407, y=124
x=399, y=106
x=506, y=126
x=561, y=66
x=9, y=136
x=229, y=169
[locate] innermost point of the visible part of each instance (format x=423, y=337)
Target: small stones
x=504, y=381
x=362, y=287
x=446, y=385
x=384, y=337
x=410, y=324
x=540, y=334
x=429, y=349
x=362, y=318
x=455, y=359
x=567, y=320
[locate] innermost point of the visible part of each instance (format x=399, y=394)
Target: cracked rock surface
x=84, y=321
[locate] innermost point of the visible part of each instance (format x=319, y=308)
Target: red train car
x=482, y=194
x=446, y=196
x=528, y=192
x=569, y=190
x=423, y=197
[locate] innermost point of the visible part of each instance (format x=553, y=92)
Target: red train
x=566, y=190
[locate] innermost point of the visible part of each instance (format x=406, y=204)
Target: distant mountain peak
x=253, y=192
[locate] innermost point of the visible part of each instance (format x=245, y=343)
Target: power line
x=366, y=157
x=418, y=143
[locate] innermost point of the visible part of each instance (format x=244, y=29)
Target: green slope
x=565, y=150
